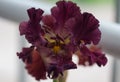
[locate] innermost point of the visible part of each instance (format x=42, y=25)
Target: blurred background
x=12, y=12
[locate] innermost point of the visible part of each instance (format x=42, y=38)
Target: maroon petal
x=86, y=29
x=68, y=26
x=36, y=68
x=92, y=57
x=23, y=28
x=100, y=58
x=35, y=15
x=60, y=63
x=31, y=32
x=97, y=51
x=54, y=70
x=92, y=33
x=64, y=14
x=49, y=20
x=87, y=55
x=94, y=37
x=65, y=10
x=26, y=54
x=32, y=29
x=82, y=60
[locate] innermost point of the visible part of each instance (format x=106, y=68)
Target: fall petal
x=36, y=68
x=26, y=54
x=92, y=56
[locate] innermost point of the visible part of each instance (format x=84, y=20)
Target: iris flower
x=56, y=37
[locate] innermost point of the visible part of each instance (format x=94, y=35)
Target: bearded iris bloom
x=56, y=37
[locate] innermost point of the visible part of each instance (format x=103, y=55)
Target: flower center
x=56, y=49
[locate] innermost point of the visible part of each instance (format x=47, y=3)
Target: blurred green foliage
x=84, y=1
x=93, y=1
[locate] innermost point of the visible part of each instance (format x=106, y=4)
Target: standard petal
x=64, y=14
x=32, y=29
x=49, y=20
x=23, y=28
x=65, y=10
x=86, y=29
x=92, y=32
x=35, y=15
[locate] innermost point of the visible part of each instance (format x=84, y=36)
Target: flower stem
x=61, y=78
x=55, y=80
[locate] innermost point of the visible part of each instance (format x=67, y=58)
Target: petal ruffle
x=87, y=29
x=64, y=14
x=26, y=54
x=35, y=15
x=32, y=29
x=91, y=57
x=64, y=10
